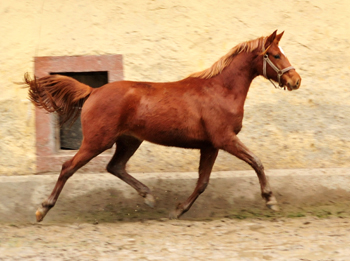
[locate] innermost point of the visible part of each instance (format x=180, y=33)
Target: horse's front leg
x=235, y=147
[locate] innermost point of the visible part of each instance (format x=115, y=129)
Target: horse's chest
x=234, y=120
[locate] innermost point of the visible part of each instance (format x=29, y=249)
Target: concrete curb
x=88, y=197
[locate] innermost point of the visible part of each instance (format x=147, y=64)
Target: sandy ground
x=100, y=218
x=306, y=238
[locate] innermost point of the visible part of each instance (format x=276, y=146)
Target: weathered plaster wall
x=166, y=41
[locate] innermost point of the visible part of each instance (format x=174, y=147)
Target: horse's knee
x=202, y=187
x=258, y=163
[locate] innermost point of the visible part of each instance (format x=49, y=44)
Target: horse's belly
x=174, y=138
x=187, y=144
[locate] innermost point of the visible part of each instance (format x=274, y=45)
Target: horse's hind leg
x=126, y=147
x=83, y=156
x=207, y=159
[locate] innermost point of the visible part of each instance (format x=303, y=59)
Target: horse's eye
x=277, y=56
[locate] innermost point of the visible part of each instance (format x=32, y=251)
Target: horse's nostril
x=296, y=85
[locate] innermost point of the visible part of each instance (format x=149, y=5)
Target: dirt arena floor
x=99, y=218
x=303, y=238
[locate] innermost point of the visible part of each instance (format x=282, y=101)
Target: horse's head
x=276, y=65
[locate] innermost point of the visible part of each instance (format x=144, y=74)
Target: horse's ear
x=270, y=39
x=279, y=36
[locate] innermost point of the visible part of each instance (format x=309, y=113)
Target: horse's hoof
x=177, y=212
x=272, y=204
x=39, y=215
x=273, y=207
x=174, y=214
x=150, y=201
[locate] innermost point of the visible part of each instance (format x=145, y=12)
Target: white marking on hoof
x=40, y=214
x=273, y=207
x=272, y=204
x=150, y=201
x=174, y=214
x=177, y=212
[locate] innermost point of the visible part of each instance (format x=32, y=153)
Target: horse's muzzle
x=294, y=86
x=293, y=81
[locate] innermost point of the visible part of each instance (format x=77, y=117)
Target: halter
x=277, y=70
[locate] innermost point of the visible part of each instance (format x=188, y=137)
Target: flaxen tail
x=58, y=93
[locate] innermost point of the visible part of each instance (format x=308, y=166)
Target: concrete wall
x=166, y=41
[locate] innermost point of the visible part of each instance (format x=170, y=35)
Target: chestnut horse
x=203, y=111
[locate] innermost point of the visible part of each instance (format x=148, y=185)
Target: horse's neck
x=238, y=76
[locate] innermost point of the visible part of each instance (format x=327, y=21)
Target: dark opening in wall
x=101, y=68
x=71, y=133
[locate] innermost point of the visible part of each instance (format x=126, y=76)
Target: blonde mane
x=224, y=61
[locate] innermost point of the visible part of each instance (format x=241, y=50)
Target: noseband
x=278, y=71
